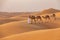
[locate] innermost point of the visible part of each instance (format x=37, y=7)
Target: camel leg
x=40, y=20
x=54, y=19
x=35, y=21
x=47, y=20
x=50, y=20
x=31, y=21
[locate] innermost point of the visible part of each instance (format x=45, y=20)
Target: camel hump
x=54, y=15
x=47, y=15
x=39, y=16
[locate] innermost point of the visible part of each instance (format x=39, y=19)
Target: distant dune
x=49, y=11
x=52, y=34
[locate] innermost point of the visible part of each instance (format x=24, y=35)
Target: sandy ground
x=21, y=30
x=52, y=34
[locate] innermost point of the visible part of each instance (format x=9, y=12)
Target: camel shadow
x=45, y=25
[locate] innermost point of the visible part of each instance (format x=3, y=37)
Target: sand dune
x=21, y=30
x=50, y=11
x=52, y=34
x=18, y=27
x=22, y=26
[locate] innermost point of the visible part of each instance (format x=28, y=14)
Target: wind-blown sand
x=21, y=30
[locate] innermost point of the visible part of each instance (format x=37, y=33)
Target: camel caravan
x=41, y=19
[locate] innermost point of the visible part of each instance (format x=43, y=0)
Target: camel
x=47, y=18
x=32, y=19
x=39, y=18
x=54, y=16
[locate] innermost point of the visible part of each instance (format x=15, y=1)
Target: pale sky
x=27, y=5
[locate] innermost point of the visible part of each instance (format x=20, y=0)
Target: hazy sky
x=27, y=5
